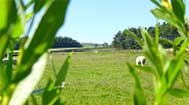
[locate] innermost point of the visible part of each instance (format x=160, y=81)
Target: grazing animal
x=140, y=60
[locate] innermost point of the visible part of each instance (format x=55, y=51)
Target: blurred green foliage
x=17, y=82
x=164, y=68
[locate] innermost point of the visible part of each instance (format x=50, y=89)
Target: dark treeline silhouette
x=60, y=42
x=123, y=41
x=65, y=42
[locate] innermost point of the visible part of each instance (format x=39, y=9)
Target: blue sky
x=98, y=21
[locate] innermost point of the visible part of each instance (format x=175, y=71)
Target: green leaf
x=28, y=16
x=63, y=71
x=139, y=41
x=9, y=65
x=139, y=98
x=165, y=41
x=49, y=98
x=157, y=34
x=178, y=41
x=3, y=78
x=147, y=69
x=4, y=43
x=176, y=44
x=152, y=52
x=53, y=90
x=21, y=48
x=184, y=46
x=39, y=4
x=183, y=79
x=51, y=93
x=157, y=3
x=173, y=69
x=28, y=4
x=52, y=65
x=33, y=100
x=8, y=16
x=179, y=92
x=43, y=37
x=147, y=38
x=58, y=102
x=27, y=85
x=179, y=9
x=18, y=28
x=8, y=13
x=4, y=14
x=165, y=15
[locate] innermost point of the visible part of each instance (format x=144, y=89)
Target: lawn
x=102, y=79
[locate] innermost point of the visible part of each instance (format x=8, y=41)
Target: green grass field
x=102, y=79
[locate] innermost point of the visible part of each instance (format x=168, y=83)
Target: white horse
x=140, y=60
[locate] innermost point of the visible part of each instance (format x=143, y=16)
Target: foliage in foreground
x=165, y=69
x=17, y=82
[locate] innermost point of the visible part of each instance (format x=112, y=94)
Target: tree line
x=65, y=42
x=123, y=41
x=60, y=42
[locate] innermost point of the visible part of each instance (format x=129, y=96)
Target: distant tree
x=65, y=42
x=119, y=40
x=60, y=42
x=96, y=45
x=123, y=41
x=105, y=44
x=151, y=30
x=130, y=42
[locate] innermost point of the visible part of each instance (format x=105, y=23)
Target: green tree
x=105, y=44
x=119, y=40
x=65, y=42
x=166, y=31
x=96, y=45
